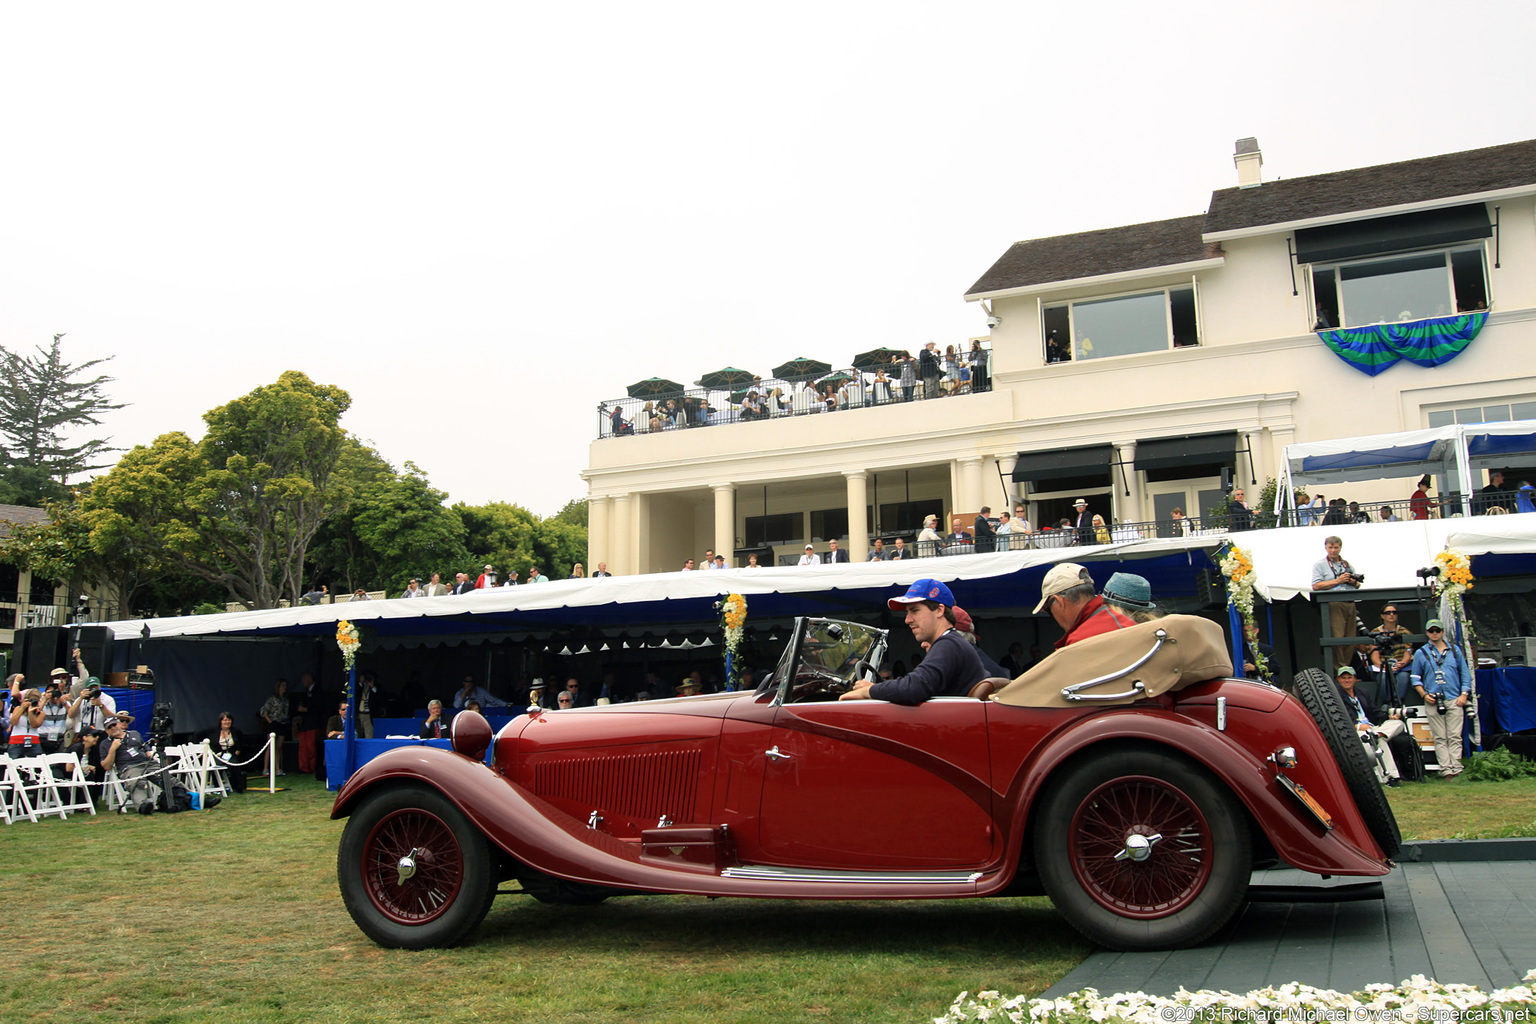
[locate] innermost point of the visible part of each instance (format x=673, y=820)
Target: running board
x=769, y=873
x=1315, y=893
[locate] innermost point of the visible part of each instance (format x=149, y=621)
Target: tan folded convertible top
x=1125, y=666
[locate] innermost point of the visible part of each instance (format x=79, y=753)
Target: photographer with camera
x=125, y=750
x=1440, y=675
x=90, y=710
x=1334, y=573
x=26, y=719
x=1396, y=655
x=88, y=749
x=55, y=718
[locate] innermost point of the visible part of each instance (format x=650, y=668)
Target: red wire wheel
x=1176, y=865
x=1142, y=848
x=425, y=841
x=414, y=872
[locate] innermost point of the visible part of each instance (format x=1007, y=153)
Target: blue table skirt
x=367, y=750
x=1507, y=699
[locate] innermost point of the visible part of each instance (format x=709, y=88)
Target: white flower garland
x=1237, y=567
x=1416, y=999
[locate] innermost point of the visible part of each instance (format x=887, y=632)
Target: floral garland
x=1418, y=998
x=347, y=640
x=1454, y=581
x=1237, y=567
x=733, y=620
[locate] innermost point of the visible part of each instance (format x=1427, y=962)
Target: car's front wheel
x=414, y=872
x=1143, y=849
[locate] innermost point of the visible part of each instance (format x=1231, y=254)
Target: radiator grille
x=636, y=785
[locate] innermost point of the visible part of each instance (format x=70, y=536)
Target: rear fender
x=1348, y=849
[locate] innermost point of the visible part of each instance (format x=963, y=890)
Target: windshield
x=826, y=657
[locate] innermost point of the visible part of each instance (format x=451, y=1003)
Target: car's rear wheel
x=414, y=872
x=1320, y=696
x=1143, y=849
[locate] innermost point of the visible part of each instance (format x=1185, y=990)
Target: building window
x=907, y=516
x=1399, y=288
x=1497, y=413
x=828, y=523
x=1121, y=326
x=762, y=531
x=42, y=591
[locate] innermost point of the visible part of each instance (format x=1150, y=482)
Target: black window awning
x=1190, y=450
x=1393, y=234
x=1063, y=462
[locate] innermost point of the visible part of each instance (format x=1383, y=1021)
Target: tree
x=240, y=507
x=498, y=533
x=42, y=400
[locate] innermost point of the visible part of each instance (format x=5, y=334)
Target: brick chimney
x=1248, y=160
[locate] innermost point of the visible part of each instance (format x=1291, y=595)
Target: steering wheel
x=862, y=670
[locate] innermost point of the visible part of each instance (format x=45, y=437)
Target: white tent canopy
x=1389, y=554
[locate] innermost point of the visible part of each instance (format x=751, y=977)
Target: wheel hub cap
x=407, y=865
x=1138, y=847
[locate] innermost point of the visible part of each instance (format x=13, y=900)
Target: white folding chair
x=37, y=786
x=13, y=798
x=73, y=789
x=198, y=770
x=117, y=794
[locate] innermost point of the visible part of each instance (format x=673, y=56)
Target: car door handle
x=776, y=754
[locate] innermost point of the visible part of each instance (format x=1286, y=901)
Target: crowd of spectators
x=905, y=378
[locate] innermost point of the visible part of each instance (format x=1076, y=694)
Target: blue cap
x=923, y=590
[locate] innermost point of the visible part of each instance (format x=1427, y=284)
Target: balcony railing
x=774, y=398
x=1219, y=524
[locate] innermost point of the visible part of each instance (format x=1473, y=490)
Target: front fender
x=1348, y=849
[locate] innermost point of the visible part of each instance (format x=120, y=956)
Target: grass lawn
x=1460, y=808
x=232, y=915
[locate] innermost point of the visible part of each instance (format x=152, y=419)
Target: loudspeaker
x=95, y=643
x=44, y=652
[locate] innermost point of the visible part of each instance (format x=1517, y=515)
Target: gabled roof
x=19, y=515
x=1364, y=189
x=1039, y=261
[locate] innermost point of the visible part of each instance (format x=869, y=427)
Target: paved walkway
x=1445, y=915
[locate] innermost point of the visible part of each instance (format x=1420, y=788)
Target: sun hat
x=1063, y=576
x=1079, y=503
x=1346, y=670
x=1434, y=624
x=1130, y=590
x=923, y=590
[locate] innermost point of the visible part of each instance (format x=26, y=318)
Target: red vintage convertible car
x=1126, y=776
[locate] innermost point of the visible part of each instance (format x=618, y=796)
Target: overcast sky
x=482, y=219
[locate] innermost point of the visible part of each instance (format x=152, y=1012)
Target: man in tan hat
x=1082, y=523
x=1067, y=592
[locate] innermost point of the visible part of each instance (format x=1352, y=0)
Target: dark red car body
x=743, y=794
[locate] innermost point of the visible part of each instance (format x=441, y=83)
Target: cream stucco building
x=1130, y=366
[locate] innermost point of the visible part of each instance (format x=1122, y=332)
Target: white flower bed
x=1417, y=999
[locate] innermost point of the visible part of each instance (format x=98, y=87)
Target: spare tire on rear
x=1322, y=699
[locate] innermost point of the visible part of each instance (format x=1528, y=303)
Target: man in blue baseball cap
x=951, y=666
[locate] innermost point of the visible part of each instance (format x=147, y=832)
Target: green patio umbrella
x=875, y=358
x=726, y=378
x=653, y=386
x=837, y=379
x=801, y=368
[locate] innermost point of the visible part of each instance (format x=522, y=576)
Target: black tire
x=453, y=882
x=1192, y=881
x=1320, y=696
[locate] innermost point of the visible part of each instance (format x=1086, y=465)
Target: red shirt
x=1095, y=618
x=1418, y=505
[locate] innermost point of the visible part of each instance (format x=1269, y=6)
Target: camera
x=1359, y=576
x=162, y=722
x=1428, y=574
x=994, y=321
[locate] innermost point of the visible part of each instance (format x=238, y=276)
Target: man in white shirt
x=810, y=557
x=413, y=589
x=836, y=554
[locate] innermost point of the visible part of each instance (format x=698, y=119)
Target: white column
x=1005, y=464
x=970, y=496
x=858, y=525
x=725, y=521
x=1126, y=508
x=599, y=546
x=622, y=529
